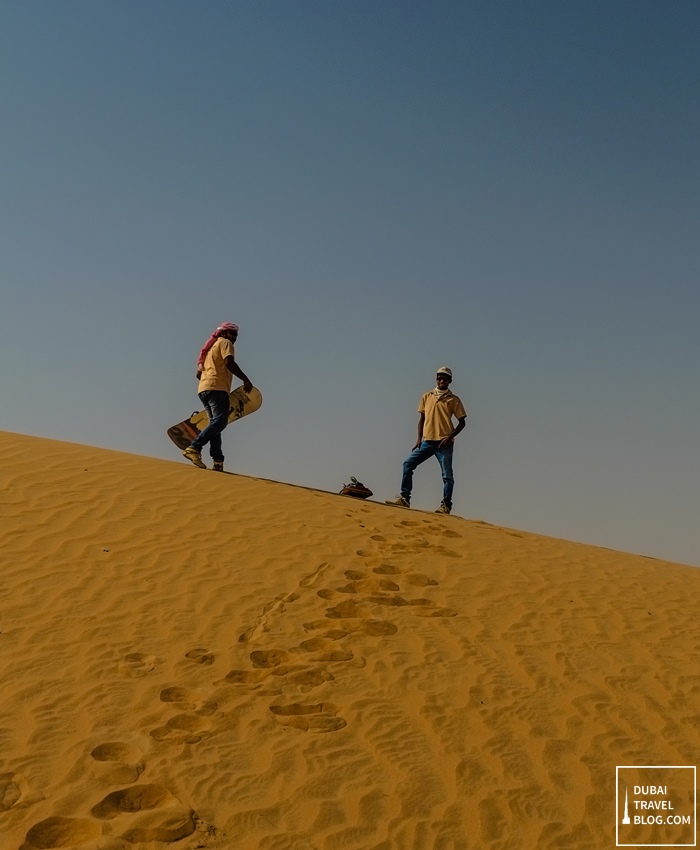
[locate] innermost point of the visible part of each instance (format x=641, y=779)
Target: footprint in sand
x=307, y=680
x=440, y=531
x=330, y=635
x=304, y=654
x=282, y=664
x=399, y=602
x=417, y=544
x=244, y=677
x=420, y=607
x=167, y=830
x=137, y=798
x=13, y=788
x=185, y=700
x=346, y=610
x=200, y=656
x=293, y=666
x=61, y=832
x=419, y=580
x=436, y=612
x=374, y=628
x=444, y=551
x=365, y=584
x=352, y=609
x=137, y=664
x=324, y=649
x=182, y=729
x=416, y=579
x=270, y=657
x=387, y=570
x=158, y=815
x=117, y=763
x=321, y=717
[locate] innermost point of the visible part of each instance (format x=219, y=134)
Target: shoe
x=443, y=509
x=195, y=457
x=399, y=501
x=218, y=466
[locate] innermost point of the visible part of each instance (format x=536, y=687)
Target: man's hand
x=446, y=442
x=247, y=386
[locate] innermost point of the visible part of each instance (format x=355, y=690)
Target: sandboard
x=242, y=404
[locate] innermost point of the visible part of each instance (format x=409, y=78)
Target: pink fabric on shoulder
x=227, y=326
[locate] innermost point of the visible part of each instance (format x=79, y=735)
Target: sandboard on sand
x=242, y=404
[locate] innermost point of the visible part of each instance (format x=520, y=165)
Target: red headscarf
x=227, y=326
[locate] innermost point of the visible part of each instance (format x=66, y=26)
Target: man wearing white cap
x=436, y=435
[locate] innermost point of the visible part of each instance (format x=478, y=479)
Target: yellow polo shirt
x=439, y=413
x=215, y=373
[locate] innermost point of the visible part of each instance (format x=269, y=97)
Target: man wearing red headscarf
x=215, y=367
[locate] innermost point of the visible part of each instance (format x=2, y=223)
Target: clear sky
x=370, y=189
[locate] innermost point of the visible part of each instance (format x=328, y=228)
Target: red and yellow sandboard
x=242, y=404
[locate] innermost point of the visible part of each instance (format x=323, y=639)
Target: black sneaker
x=443, y=509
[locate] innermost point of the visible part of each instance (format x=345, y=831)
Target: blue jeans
x=429, y=448
x=216, y=403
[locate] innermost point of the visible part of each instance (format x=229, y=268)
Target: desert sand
x=205, y=660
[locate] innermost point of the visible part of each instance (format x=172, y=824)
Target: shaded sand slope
x=211, y=661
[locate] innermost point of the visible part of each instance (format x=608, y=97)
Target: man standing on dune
x=435, y=439
x=215, y=367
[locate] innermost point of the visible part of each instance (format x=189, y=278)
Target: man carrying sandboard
x=241, y=404
x=215, y=367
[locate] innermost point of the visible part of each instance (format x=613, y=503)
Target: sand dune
x=199, y=660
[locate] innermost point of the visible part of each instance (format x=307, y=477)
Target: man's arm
x=421, y=423
x=461, y=424
x=233, y=367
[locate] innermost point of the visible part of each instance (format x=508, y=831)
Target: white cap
x=444, y=370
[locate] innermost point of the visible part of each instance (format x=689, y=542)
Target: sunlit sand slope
x=200, y=660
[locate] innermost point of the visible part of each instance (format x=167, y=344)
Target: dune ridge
x=200, y=660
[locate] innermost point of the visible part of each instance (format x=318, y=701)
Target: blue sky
x=370, y=190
